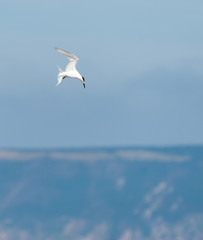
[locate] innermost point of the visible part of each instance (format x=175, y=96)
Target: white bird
x=70, y=71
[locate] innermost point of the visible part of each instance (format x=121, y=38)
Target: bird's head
x=83, y=81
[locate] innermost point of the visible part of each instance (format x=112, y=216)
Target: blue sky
x=142, y=61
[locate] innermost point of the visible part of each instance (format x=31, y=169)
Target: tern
x=70, y=71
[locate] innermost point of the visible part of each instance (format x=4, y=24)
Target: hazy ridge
x=104, y=193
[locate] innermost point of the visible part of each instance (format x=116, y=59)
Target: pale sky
x=142, y=61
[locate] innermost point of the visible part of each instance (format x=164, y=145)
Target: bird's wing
x=67, y=54
x=71, y=65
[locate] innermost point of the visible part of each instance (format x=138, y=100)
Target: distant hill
x=133, y=193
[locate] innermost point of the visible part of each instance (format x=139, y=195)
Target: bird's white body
x=70, y=71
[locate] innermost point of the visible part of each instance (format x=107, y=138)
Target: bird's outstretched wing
x=67, y=54
x=72, y=59
x=71, y=65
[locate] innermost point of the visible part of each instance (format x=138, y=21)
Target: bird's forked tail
x=60, y=76
x=60, y=70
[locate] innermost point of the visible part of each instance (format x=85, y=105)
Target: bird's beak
x=83, y=84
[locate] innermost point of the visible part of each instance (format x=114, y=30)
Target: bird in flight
x=70, y=71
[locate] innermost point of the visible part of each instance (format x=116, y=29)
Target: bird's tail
x=59, y=81
x=60, y=76
x=60, y=70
